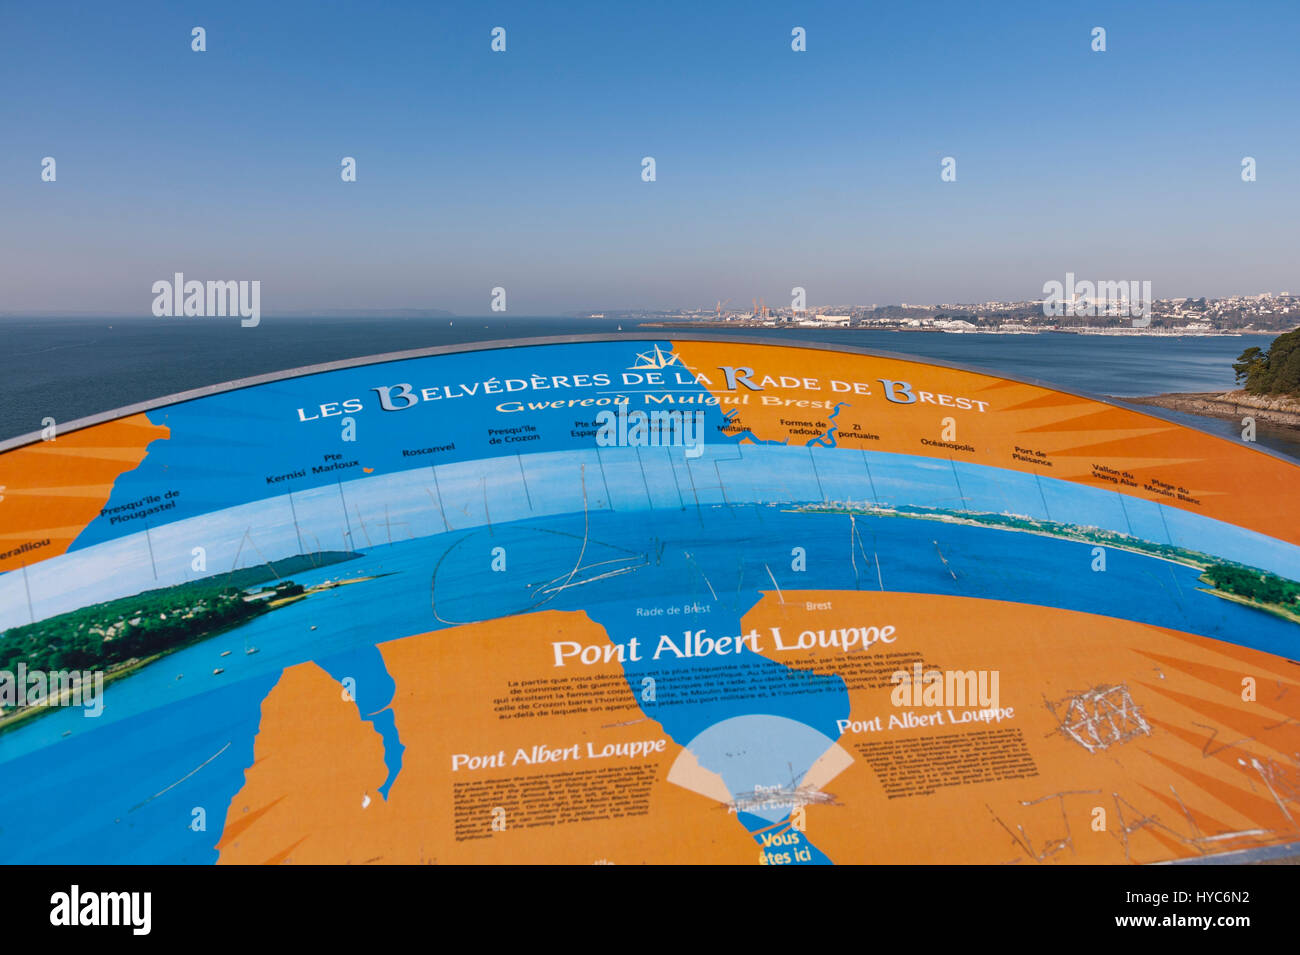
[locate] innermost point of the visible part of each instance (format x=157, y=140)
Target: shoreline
x=1278, y=410
x=1194, y=560
x=1284, y=612
x=15, y=718
x=1083, y=330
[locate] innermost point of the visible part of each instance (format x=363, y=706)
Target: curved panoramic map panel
x=648, y=601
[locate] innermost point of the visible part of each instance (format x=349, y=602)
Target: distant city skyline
x=1285, y=296
x=522, y=170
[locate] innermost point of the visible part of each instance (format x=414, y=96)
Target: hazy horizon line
x=579, y=312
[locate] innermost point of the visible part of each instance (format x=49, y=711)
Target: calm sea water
x=68, y=368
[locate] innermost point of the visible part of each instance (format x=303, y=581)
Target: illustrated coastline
x=1248, y=586
x=206, y=608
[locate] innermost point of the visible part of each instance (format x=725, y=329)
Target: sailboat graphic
x=656, y=359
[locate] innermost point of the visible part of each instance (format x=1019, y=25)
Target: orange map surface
x=1073, y=433
x=52, y=490
x=1181, y=764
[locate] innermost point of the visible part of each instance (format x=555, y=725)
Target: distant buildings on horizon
x=1235, y=314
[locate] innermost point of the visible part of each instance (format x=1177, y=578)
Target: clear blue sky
x=522, y=169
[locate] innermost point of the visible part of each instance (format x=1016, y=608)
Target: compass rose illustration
x=656, y=359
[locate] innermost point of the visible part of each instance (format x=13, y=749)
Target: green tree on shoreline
x=1272, y=372
x=1253, y=584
